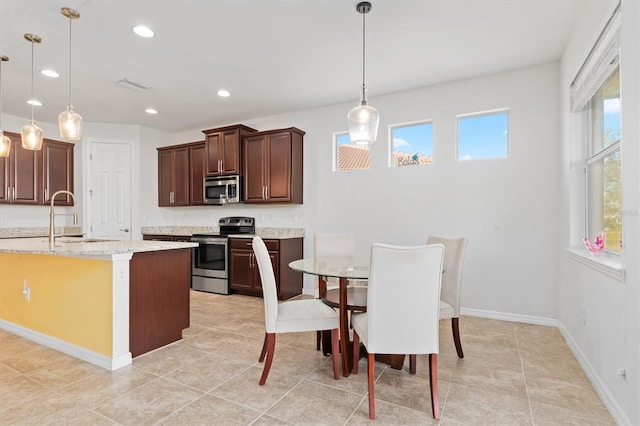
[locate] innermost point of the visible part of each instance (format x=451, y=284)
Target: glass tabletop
x=338, y=267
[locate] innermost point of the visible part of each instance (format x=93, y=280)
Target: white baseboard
x=612, y=405
x=68, y=348
x=607, y=398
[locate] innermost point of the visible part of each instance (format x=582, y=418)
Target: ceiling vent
x=133, y=85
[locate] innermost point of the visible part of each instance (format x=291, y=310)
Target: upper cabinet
x=31, y=177
x=173, y=176
x=57, y=171
x=223, y=150
x=197, y=167
x=273, y=166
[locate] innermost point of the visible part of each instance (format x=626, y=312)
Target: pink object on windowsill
x=598, y=244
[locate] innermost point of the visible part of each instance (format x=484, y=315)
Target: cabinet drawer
x=245, y=243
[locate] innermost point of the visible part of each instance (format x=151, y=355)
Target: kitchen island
x=101, y=301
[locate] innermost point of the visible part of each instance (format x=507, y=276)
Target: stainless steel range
x=210, y=265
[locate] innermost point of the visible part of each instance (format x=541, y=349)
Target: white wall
x=607, y=341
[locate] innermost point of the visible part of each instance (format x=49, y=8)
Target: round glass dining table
x=346, y=298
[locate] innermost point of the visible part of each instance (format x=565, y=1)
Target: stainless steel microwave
x=222, y=189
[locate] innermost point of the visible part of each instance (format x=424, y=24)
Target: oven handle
x=209, y=240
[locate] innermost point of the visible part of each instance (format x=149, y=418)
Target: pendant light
x=69, y=121
x=31, y=134
x=363, y=119
x=5, y=142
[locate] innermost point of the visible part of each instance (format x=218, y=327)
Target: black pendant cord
x=69, y=61
x=31, y=82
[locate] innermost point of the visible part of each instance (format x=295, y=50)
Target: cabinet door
x=5, y=169
x=57, y=171
x=241, y=272
x=230, y=140
x=213, y=152
x=278, y=169
x=182, y=177
x=25, y=175
x=165, y=177
x=254, y=169
x=197, y=166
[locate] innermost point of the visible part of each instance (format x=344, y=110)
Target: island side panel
x=158, y=298
x=69, y=298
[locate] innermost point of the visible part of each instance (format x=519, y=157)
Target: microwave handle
x=227, y=192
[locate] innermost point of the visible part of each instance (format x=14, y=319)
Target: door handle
x=125, y=230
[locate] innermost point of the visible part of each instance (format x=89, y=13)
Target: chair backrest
x=454, y=251
x=269, y=291
x=403, y=300
x=330, y=245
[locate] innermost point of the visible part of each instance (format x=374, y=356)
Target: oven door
x=210, y=257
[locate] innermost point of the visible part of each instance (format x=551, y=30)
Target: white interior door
x=110, y=190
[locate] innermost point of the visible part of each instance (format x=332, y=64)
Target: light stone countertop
x=38, y=232
x=272, y=233
x=85, y=247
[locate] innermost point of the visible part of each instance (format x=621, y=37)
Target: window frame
x=390, y=145
x=496, y=111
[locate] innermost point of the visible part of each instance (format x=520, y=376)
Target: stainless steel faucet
x=52, y=214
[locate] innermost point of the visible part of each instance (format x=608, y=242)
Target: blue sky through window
x=415, y=139
x=483, y=136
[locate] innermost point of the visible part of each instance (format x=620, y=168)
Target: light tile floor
x=512, y=374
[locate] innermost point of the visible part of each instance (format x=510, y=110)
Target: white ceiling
x=274, y=56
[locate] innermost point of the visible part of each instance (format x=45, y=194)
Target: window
x=483, y=135
x=347, y=156
x=602, y=167
x=411, y=144
x=595, y=98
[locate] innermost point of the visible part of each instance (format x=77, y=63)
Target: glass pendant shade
x=32, y=136
x=70, y=124
x=5, y=144
x=363, y=124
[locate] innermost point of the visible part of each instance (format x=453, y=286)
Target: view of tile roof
x=351, y=157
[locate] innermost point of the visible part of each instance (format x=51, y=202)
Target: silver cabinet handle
x=46, y=194
x=125, y=230
x=219, y=166
x=14, y=193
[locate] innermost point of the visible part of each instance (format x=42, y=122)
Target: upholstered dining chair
x=326, y=245
x=290, y=316
x=403, y=304
x=454, y=252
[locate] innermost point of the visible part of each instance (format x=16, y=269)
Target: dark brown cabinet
x=57, y=171
x=197, y=172
x=244, y=275
x=273, y=166
x=223, y=150
x=20, y=173
x=173, y=176
x=32, y=177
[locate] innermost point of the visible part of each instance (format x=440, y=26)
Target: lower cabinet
x=244, y=275
x=159, y=283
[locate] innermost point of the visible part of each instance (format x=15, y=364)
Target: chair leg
x=433, y=384
x=271, y=346
x=335, y=349
x=371, y=379
x=318, y=339
x=356, y=352
x=412, y=364
x=455, y=328
x=264, y=348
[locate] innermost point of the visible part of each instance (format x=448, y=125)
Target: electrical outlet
x=26, y=291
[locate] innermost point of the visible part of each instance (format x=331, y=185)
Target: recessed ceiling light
x=143, y=31
x=50, y=73
x=151, y=111
x=34, y=102
x=224, y=93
